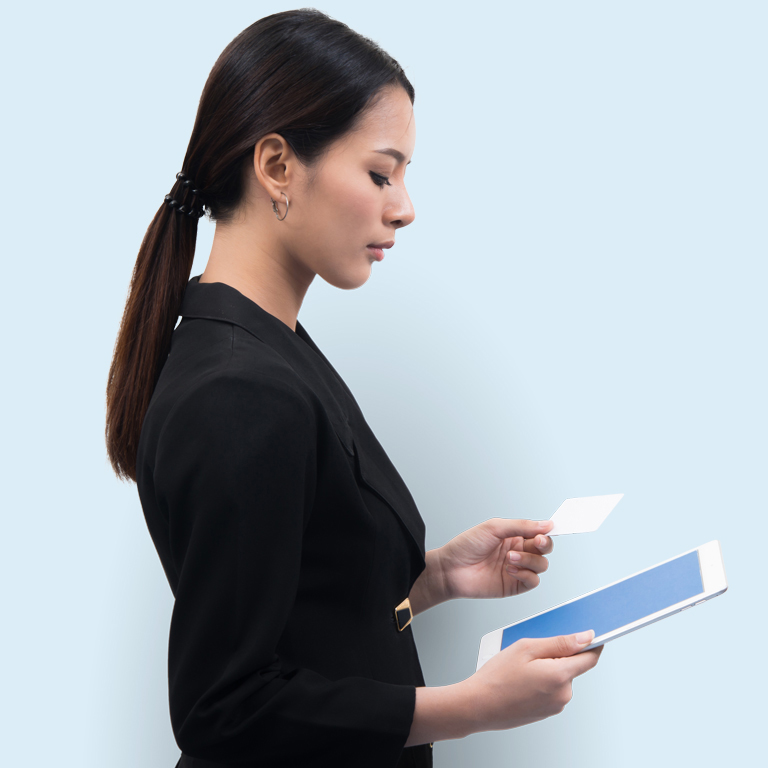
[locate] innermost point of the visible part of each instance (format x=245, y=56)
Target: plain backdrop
x=579, y=308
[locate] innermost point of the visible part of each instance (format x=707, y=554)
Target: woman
x=293, y=548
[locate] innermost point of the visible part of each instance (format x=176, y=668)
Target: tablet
x=624, y=606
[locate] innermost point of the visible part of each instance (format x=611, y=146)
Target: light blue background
x=579, y=308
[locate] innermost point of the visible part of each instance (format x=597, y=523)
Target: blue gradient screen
x=617, y=605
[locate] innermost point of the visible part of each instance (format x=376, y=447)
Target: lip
x=377, y=249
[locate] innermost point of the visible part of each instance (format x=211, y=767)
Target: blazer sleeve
x=235, y=471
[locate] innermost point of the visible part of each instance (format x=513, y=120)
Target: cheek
x=359, y=207
x=344, y=219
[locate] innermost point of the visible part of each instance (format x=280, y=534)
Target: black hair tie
x=188, y=210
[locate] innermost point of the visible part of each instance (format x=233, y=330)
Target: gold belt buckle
x=404, y=610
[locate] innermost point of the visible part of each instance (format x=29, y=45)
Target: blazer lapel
x=379, y=474
x=219, y=301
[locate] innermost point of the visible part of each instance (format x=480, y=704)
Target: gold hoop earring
x=274, y=207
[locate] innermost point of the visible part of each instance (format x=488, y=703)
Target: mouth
x=377, y=249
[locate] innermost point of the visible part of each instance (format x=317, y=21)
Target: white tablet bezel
x=713, y=581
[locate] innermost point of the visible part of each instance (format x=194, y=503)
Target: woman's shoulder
x=207, y=355
x=201, y=347
x=218, y=374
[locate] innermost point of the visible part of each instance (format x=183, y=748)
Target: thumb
x=559, y=646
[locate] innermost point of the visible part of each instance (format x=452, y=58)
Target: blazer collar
x=219, y=301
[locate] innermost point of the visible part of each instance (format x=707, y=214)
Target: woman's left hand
x=477, y=563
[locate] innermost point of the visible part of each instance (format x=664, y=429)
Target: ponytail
x=157, y=287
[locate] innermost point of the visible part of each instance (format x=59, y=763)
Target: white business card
x=584, y=514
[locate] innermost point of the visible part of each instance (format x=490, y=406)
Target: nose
x=403, y=213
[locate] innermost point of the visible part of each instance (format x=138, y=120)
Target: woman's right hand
x=528, y=681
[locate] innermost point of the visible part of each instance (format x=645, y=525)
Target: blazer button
x=403, y=614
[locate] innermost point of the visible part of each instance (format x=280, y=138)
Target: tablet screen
x=620, y=604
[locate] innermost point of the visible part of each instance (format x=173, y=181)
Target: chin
x=349, y=280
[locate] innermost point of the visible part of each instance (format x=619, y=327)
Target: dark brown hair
x=298, y=73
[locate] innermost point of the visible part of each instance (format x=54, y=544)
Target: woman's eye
x=379, y=180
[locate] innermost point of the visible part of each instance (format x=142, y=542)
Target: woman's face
x=353, y=198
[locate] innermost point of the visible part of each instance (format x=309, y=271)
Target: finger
x=526, y=560
x=559, y=646
x=505, y=528
x=596, y=651
x=528, y=579
x=582, y=662
x=539, y=545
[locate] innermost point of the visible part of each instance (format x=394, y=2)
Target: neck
x=261, y=271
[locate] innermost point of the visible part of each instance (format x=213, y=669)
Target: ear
x=275, y=164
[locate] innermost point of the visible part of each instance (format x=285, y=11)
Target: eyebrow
x=399, y=156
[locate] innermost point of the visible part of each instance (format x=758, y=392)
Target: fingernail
x=584, y=638
x=515, y=556
x=512, y=569
x=543, y=542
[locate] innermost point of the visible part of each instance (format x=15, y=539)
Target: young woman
x=295, y=553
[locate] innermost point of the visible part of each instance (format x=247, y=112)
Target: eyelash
x=384, y=180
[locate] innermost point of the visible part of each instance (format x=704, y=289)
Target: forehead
x=387, y=124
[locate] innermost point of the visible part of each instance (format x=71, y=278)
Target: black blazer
x=288, y=538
